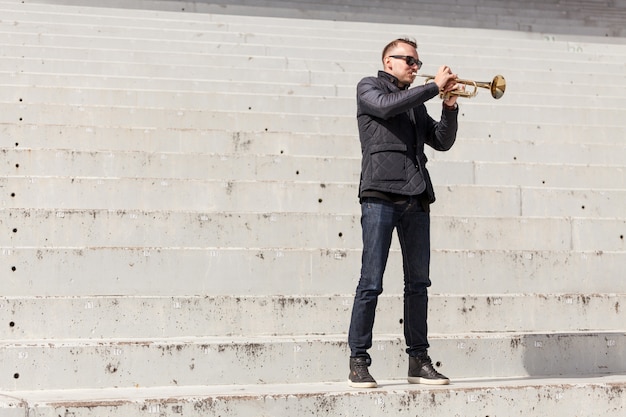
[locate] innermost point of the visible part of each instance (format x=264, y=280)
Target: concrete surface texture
x=181, y=230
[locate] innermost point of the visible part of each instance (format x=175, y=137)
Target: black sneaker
x=359, y=375
x=421, y=371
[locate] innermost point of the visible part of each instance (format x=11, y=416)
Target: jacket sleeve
x=376, y=102
x=441, y=135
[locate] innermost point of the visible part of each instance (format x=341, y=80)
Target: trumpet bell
x=497, y=86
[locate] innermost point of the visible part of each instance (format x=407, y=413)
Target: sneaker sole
x=426, y=381
x=362, y=384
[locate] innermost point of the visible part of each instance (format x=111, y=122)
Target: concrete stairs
x=181, y=231
x=575, y=17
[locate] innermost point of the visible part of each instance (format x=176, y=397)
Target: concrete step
x=116, y=21
x=180, y=23
x=300, y=34
x=192, y=361
x=204, y=92
x=302, y=196
x=94, y=89
x=524, y=87
x=532, y=397
x=529, y=151
x=130, y=71
x=308, y=101
x=151, y=145
x=196, y=82
x=126, y=139
x=144, y=317
x=540, y=54
x=22, y=133
x=488, y=142
x=177, y=87
x=218, y=271
x=137, y=74
x=109, y=165
x=251, y=121
x=555, y=175
x=256, y=120
x=194, y=59
x=561, y=18
x=189, y=166
x=97, y=227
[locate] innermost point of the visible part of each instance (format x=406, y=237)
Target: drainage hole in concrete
x=438, y=364
x=13, y=269
x=12, y=324
x=319, y=200
x=340, y=234
x=16, y=375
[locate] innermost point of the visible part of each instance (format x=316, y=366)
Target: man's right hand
x=445, y=79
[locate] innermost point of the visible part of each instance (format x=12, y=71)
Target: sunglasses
x=410, y=61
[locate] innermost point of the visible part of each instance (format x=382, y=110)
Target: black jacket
x=393, y=128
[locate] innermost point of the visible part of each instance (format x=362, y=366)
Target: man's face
x=398, y=67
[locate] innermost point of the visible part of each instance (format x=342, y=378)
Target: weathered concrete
x=608, y=389
x=151, y=317
x=590, y=18
x=484, y=136
x=270, y=271
x=70, y=363
x=528, y=397
x=270, y=196
x=116, y=227
x=292, y=168
x=179, y=212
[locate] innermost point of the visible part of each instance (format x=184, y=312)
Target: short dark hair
x=395, y=43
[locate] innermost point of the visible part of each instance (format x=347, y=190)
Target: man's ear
x=386, y=64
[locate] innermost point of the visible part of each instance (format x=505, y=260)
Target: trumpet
x=496, y=87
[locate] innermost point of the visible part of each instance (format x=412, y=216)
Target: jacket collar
x=393, y=80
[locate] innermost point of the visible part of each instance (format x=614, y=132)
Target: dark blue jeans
x=378, y=220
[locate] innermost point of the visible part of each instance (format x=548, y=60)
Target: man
x=395, y=192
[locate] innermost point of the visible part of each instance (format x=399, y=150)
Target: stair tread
x=104, y=396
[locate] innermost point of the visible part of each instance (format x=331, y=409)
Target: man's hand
x=445, y=79
x=450, y=100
